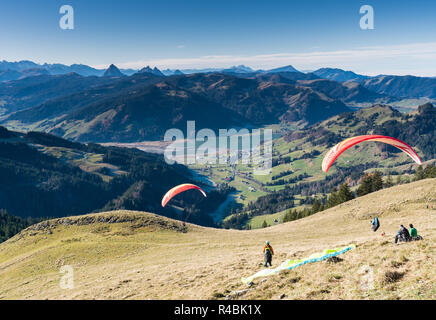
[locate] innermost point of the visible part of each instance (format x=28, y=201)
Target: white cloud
x=416, y=59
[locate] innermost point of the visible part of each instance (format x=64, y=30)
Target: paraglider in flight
x=179, y=189
x=337, y=150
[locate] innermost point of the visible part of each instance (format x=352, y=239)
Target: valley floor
x=135, y=255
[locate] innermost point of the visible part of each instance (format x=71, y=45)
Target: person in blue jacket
x=375, y=224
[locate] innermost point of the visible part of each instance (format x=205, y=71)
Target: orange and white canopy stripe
x=338, y=149
x=179, y=189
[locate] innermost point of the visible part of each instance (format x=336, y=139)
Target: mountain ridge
x=55, y=68
x=113, y=71
x=270, y=98
x=339, y=75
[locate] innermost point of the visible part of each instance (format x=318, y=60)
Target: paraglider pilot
x=375, y=224
x=268, y=251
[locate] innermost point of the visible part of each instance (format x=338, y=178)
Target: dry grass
x=143, y=256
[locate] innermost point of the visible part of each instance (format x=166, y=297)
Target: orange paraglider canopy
x=338, y=149
x=179, y=189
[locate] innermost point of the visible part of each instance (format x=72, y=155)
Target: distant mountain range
x=394, y=86
x=241, y=69
x=117, y=107
x=7, y=75
x=144, y=105
x=154, y=71
x=21, y=69
x=283, y=69
x=339, y=75
x=32, y=91
x=402, y=86
x=169, y=72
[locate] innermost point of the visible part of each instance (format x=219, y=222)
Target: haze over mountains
x=20, y=69
x=113, y=105
x=54, y=69
x=395, y=86
x=390, y=85
x=339, y=75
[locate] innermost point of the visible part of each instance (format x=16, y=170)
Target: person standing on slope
x=268, y=251
x=375, y=224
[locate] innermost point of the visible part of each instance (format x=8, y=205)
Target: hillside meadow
x=139, y=255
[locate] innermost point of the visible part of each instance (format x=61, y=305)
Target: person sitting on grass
x=268, y=251
x=414, y=233
x=402, y=234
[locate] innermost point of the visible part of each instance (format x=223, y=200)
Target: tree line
x=370, y=182
x=11, y=225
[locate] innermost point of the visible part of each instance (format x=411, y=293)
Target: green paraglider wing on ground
x=291, y=264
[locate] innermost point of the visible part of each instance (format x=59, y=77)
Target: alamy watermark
x=366, y=278
x=67, y=20
x=367, y=20
x=230, y=147
x=67, y=280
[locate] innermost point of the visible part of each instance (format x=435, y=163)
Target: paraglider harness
x=375, y=224
x=268, y=254
x=268, y=250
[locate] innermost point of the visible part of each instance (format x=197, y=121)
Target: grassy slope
x=88, y=162
x=150, y=258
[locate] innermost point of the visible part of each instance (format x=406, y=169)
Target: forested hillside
x=46, y=176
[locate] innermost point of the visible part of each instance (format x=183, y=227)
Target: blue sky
x=196, y=34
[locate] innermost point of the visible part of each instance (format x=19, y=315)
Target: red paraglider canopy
x=337, y=150
x=179, y=189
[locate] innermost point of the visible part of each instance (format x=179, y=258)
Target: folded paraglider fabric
x=292, y=264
